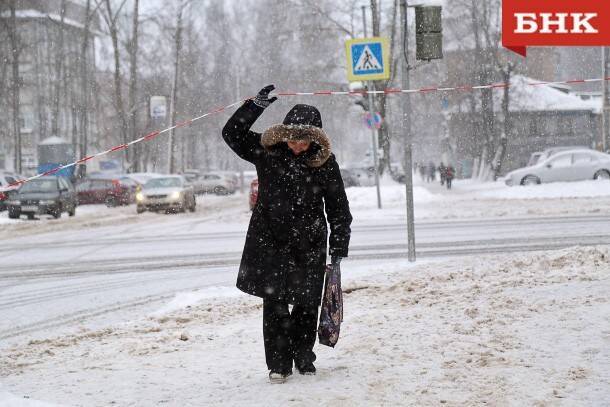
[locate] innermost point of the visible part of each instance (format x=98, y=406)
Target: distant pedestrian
x=431, y=172
x=442, y=172
x=422, y=171
x=284, y=257
x=449, y=175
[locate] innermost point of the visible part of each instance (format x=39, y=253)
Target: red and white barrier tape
x=387, y=91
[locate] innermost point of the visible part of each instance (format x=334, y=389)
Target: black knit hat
x=303, y=115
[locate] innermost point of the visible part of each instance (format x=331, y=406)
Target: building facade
x=539, y=117
x=57, y=55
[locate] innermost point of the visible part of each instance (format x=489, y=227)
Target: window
x=62, y=183
x=560, y=161
x=582, y=158
x=10, y=179
x=98, y=185
x=84, y=186
x=26, y=118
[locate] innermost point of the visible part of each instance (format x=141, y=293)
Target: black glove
x=335, y=260
x=262, y=99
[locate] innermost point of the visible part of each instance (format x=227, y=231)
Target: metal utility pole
x=605, y=133
x=406, y=119
x=375, y=140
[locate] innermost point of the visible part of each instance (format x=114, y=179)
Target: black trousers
x=289, y=335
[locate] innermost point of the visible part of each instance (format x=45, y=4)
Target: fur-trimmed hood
x=282, y=133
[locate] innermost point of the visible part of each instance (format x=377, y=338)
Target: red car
x=6, y=179
x=111, y=192
x=253, y=193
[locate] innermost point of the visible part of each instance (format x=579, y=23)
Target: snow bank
x=10, y=400
x=189, y=299
x=584, y=189
x=528, y=329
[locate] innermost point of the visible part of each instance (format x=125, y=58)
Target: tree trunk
x=177, y=49
x=133, y=77
x=118, y=92
x=15, y=52
x=506, y=134
x=59, y=74
x=84, y=72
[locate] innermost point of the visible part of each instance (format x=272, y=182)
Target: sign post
x=368, y=59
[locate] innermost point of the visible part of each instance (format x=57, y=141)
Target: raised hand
x=262, y=99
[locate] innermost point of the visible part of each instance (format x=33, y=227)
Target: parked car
x=571, y=165
x=253, y=197
x=111, y=192
x=142, y=177
x=46, y=195
x=558, y=149
x=169, y=193
x=215, y=182
x=6, y=187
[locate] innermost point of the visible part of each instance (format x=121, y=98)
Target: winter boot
x=279, y=376
x=308, y=369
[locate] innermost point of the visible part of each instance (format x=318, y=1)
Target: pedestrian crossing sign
x=368, y=59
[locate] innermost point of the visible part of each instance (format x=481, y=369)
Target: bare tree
x=111, y=19
x=381, y=101
x=174, y=96
x=16, y=48
x=133, y=81
x=84, y=108
x=59, y=82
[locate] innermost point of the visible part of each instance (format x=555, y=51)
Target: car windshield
x=163, y=183
x=40, y=185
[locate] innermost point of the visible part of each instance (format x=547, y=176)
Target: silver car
x=170, y=193
x=571, y=165
x=219, y=183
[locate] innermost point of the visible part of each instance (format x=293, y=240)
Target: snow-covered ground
x=507, y=329
x=529, y=329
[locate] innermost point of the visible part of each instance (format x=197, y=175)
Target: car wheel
x=602, y=175
x=530, y=180
x=140, y=209
x=193, y=205
x=57, y=213
x=30, y=216
x=14, y=214
x=218, y=190
x=73, y=211
x=111, y=202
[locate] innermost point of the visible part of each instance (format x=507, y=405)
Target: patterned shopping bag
x=331, y=314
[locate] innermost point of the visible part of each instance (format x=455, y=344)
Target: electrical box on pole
x=428, y=32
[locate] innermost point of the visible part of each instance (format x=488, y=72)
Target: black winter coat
x=285, y=251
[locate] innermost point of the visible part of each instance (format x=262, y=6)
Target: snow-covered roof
x=50, y=141
x=525, y=96
x=531, y=95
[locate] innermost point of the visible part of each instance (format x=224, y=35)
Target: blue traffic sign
x=367, y=59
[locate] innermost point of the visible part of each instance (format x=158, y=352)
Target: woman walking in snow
x=284, y=256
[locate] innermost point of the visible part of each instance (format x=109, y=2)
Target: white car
x=169, y=193
x=219, y=183
x=571, y=165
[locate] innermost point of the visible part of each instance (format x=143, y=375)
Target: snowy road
x=85, y=278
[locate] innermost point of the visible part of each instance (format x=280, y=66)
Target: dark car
x=253, y=193
x=43, y=196
x=111, y=192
